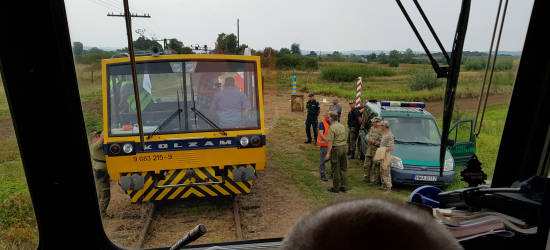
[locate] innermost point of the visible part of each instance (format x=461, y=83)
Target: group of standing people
x=331, y=137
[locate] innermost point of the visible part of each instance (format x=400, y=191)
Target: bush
x=296, y=61
x=480, y=64
x=93, y=123
x=503, y=65
x=350, y=73
x=394, y=63
x=475, y=64
x=424, y=79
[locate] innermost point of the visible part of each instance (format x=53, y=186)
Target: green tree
x=77, y=48
x=371, y=57
x=312, y=53
x=336, y=53
x=175, y=44
x=408, y=56
x=94, y=50
x=284, y=51
x=295, y=48
x=394, y=63
x=383, y=58
x=227, y=43
x=394, y=54
x=144, y=43
x=240, y=49
x=186, y=50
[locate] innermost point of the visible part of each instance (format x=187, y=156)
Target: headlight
x=244, y=141
x=115, y=149
x=127, y=148
x=256, y=141
x=448, y=165
x=397, y=164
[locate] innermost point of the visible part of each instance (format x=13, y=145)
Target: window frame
x=186, y=110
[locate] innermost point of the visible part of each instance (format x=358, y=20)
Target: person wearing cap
x=387, y=142
x=313, y=110
x=336, y=152
x=322, y=133
x=102, y=183
x=354, y=122
x=336, y=107
x=371, y=168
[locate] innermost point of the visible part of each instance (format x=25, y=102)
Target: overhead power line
x=155, y=23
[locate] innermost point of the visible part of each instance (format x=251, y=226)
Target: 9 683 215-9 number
x=152, y=158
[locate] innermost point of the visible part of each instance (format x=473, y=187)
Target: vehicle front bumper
x=406, y=177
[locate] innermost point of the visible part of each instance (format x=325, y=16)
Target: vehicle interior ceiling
x=60, y=192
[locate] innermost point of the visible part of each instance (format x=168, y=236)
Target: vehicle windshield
x=224, y=92
x=414, y=130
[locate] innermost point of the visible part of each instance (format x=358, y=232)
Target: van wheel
x=361, y=155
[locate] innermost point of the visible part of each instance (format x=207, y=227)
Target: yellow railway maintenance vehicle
x=203, y=125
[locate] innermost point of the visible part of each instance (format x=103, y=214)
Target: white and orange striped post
x=358, y=96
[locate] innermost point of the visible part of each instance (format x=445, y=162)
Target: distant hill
x=368, y=52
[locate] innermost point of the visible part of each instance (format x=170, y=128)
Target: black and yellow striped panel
x=176, y=176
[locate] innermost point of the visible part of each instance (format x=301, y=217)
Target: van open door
x=464, y=141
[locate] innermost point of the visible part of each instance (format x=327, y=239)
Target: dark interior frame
x=57, y=164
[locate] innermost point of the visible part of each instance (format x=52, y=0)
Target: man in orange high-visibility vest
x=322, y=142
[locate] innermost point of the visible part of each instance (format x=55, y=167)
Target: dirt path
x=436, y=108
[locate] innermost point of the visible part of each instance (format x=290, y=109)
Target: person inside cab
x=128, y=100
x=231, y=104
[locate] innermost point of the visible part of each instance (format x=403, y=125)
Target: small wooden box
x=297, y=103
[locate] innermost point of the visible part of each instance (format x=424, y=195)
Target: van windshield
x=223, y=92
x=414, y=130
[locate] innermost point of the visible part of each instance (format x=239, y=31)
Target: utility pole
x=238, y=38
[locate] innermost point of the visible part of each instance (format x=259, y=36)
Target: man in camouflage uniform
x=336, y=152
x=102, y=181
x=372, y=169
x=365, y=116
x=387, y=141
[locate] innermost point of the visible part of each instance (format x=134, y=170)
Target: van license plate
x=425, y=178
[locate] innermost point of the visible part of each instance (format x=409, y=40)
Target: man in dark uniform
x=354, y=122
x=313, y=111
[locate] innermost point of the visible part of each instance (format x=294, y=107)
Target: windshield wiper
x=402, y=142
x=166, y=122
x=208, y=121
x=416, y=143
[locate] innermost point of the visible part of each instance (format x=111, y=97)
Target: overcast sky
x=314, y=24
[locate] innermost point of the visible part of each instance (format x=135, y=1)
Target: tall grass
x=18, y=228
x=350, y=73
x=478, y=64
x=488, y=142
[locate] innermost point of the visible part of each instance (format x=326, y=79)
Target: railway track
x=141, y=240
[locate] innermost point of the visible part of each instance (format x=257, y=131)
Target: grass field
x=17, y=221
x=302, y=162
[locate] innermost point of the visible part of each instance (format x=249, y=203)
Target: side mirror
x=450, y=142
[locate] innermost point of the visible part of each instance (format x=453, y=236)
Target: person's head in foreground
x=371, y=223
